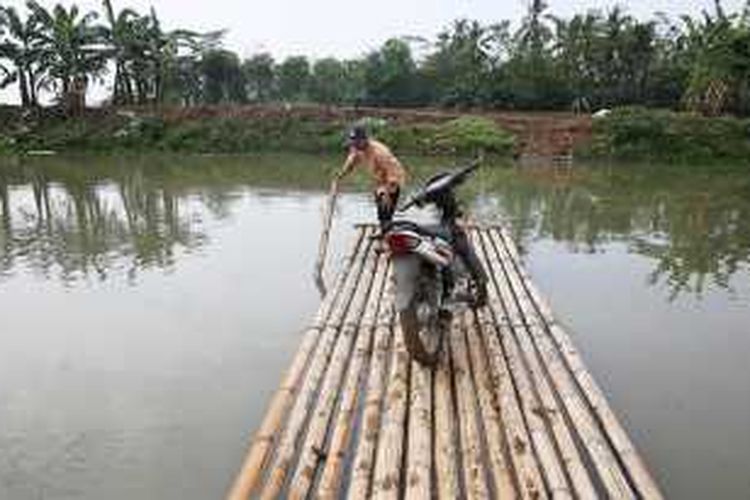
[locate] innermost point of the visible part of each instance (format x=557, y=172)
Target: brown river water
x=149, y=305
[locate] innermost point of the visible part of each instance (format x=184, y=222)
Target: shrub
x=472, y=134
x=636, y=133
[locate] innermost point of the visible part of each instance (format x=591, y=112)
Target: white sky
x=350, y=28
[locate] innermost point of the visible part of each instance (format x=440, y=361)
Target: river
x=149, y=305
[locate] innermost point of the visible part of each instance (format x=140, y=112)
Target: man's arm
x=349, y=165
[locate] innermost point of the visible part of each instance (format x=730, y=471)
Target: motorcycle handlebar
x=456, y=178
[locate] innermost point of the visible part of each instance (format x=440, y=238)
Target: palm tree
x=720, y=74
x=18, y=45
x=578, y=48
x=121, y=36
x=73, y=50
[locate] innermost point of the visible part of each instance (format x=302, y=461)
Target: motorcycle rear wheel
x=424, y=338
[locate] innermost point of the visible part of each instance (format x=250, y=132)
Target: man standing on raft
x=387, y=171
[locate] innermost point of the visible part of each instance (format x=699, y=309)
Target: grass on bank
x=118, y=132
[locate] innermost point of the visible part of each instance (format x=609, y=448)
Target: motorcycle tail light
x=400, y=243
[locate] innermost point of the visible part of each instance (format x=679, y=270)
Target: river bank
x=249, y=129
x=630, y=134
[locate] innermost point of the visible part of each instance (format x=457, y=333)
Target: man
x=387, y=171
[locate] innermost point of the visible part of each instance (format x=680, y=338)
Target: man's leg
x=386, y=200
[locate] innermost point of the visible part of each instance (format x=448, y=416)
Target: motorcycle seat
x=431, y=230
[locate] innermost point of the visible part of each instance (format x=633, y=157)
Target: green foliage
x=598, y=58
x=720, y=66
x=259, y=77
x=222, y=77
x=328, y=81
x=642, y=134
x=294, y=78
x=469, y=134
x=462, y=136
x=282, y=131
x=390, y=75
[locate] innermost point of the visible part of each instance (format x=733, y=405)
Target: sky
x=350, y=28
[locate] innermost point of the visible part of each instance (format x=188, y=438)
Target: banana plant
x=73, y=51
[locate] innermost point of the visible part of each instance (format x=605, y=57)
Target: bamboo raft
x=510, y=412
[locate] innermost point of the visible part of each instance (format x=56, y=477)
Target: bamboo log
x=364, y=455
x=497, y=446
x=542, y=442
x=607, y=419
x=354, y=331
x=250, y=473
x=308, y=453
x=474, y=474
x=419, y=450
x=548, y=408
x=387, y=474
x=528, y=475
x=335, y=452
x=525, y=465
x=325, y=235
x=446, y=449
x=300, y=411
x=583, y=423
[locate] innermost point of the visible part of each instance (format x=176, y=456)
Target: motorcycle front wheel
x=424, y=331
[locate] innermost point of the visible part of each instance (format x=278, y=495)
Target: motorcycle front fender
x=406, y=276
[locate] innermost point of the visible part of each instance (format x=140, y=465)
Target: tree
x=532, y=75
x=462, y=64
x=354, y=84
x=390, y=75
x=19, y=46
x=260, y=78
x=125, y=46
x=223, y=79
x=294, y=78
x=720, y=76
x=71, y=51
x=328, y=81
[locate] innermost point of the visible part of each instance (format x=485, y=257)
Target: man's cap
x=358, y=133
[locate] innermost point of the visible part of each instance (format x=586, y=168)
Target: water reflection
x=693, y=223
x=82, y=217
x=91, y=217
x=76, y=227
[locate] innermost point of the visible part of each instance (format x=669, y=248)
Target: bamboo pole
x=446, y=450
x=330, y=486
x=527, y=473
x=606, y=418
x=364, y=455
x=548, y=408
x=299, y=414
x=386, y=481
x=250, y=473
x=328, y=212
x=611, y=475
x=541, y=440
x=525, y=464
x=313, y=449
x=497, y=446
x=418, y=481
x=474, y=474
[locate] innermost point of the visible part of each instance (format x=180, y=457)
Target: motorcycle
x=435, y=269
